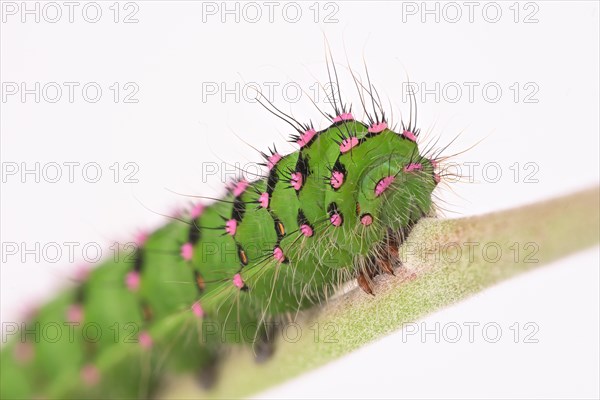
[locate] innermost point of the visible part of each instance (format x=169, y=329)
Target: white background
x=177, y=49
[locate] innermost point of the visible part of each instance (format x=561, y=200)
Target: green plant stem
x=444, y=261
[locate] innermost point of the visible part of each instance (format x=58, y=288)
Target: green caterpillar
x=334, y=210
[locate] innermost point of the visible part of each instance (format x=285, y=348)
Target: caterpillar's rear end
x=336, y=209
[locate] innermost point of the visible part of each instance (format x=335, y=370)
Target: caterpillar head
x=396, y=188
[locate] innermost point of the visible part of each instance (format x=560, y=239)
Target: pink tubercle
x=75, y=313
x=306, y=230
x=383, y=184
x=306, y=137
x=278, y=254
x=196, y=210
x=145, y=340
x=140, y=238
x=436, y=178
x=273, y=160
x=82, y=273
x=366, y=219
x=337, y=179
x=348, y=143
x=197, y=309
x=434, y=163
x=413, y=167
x=263, y=200
x=231, y=227
x=336, y=219
x=239, y=187
x=343, y=117
x=132, y=280
x=377, y=128
x=90, y=375
x=409, y=135
x=23, y=352
x=238, y=282
x=187, y=251
x=296, y=180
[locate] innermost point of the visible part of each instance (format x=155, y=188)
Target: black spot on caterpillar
x=336, y=209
